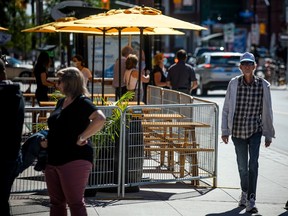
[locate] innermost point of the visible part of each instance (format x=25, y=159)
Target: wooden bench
x=33, y=97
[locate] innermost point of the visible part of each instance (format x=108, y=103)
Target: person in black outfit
x=158, y=77
x=41, y=74
x=70, y=153
x=181, y=76
x=12, y=118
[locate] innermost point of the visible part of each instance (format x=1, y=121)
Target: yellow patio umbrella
x=67, y=25
x=74, y=27
x=154, y=31
x=135, y=20
x=136, y=17
x=49, y=27
x=3, y=29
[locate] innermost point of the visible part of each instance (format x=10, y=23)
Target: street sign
x=229, y=30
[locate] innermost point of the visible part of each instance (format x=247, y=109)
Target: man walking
x=181, y=76
x=247, y=116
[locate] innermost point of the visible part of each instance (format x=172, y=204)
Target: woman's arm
x=97, y=122
x=145, y=78
x=45, y=81
x=157, y=79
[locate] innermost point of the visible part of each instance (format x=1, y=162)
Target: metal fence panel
x=172, y=146
x=173, y=138
x=106, y=167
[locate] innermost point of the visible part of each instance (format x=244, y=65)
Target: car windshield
x=13, y=61
x=225, y=60
x=200, y=51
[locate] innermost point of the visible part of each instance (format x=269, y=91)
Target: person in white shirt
x=78, y=61
x=131, y=76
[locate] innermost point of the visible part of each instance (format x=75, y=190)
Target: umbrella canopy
x=67, y=24
x=137, y=17
x=49, y=27
x=3, y=29
x=148, y=31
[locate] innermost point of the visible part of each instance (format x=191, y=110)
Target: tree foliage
x=14, y=17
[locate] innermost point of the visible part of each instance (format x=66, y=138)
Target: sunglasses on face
x=247, y=63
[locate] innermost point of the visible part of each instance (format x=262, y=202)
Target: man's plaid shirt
x=248, y=111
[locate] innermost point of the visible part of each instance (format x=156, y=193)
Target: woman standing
x=131, y=77
x=158, y=78
x=41, y=75
x=70, y=155
x=78, y=61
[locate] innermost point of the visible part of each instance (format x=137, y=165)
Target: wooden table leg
x=182, y=157
x=162, y=152
x=195, y=171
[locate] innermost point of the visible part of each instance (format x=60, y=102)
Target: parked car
x=192, y=60
x=16, y=68
x=215, y=69
x=200, y=50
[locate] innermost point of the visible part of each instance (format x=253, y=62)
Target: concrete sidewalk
x=180, y=199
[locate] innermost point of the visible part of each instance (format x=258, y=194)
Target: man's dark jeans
x=8, y=174
x=247, y=152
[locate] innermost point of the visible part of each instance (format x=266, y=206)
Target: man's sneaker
x=243, y=199
x=286, y=206
x=250, y=206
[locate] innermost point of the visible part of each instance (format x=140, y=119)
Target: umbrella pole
x=93, y=64
x=140, y=66
x=119, y=64
x=103, y=65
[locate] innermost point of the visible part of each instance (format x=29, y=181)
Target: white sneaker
x=243, y=199
x=250, y=206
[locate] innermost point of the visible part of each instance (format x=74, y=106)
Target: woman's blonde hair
x=158, y=58
x=73, y=82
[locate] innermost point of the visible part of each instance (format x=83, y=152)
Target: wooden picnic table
x=53, y=103
x=165, y=141
x=163, y=116
x=33, y=97
x=96, y=97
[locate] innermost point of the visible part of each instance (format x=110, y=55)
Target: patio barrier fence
x=171, y=139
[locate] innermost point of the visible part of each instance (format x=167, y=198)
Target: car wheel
x=25, y=74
